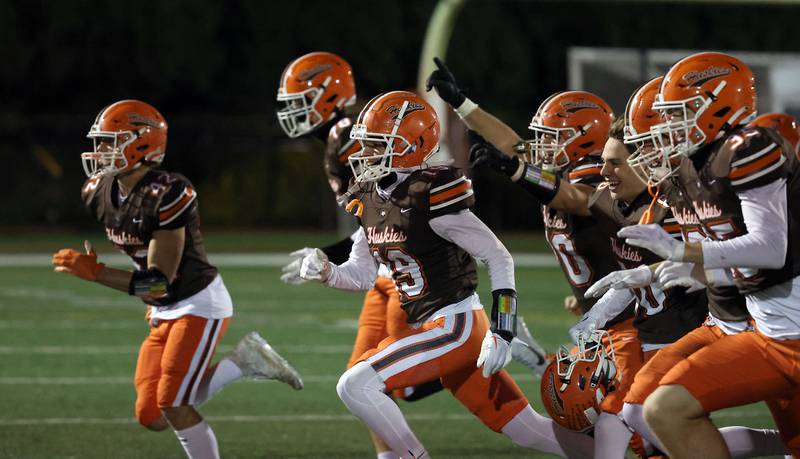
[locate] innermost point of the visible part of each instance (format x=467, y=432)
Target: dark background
x=212, y=68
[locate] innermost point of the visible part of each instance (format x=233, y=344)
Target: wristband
x=504, y=313
x=466, y=108
x=540, y=183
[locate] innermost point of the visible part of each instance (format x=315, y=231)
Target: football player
x=739, y=183
x=742, y=441
x=152, y=216
x=316, y=90
x=571, y=129
x=622, y=199
x=417, y=220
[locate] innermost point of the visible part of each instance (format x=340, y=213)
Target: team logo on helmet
x=308, y=74
x=573, y=106
x=698, y=78
x=394, y=110
x=136, y=118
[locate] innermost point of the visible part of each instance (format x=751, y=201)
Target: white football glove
x=584, y=327
x=653, y=238
x=628, y=278
x=315, y=266
x=495, y=354
x=291, y=272
x=673, y=274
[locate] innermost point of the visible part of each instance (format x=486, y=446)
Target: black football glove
x=444, y=82
x=483, y=153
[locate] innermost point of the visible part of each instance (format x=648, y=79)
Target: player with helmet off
x=152, y=216
x=738, y=185
x=416, y=219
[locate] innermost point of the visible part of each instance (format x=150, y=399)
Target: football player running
x=571, y=129
x=741, y=441
x=622, y=199
x=740, y=184
x=152, y=216
x=416, y=220
x=316, y=90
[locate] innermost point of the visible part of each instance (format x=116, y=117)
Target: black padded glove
x=483, y=153
x=444, y=82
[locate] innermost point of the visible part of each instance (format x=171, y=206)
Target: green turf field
x=68, y=350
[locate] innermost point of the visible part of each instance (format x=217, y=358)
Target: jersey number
x=576, y=267
x=406, y=271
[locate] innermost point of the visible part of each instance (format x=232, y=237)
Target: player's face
x=622, y=181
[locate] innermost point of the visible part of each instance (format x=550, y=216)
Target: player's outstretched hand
x=672, y=274
x=291, y=272
x=638, y=277
x=483, y=153
x=83, y=265
x=315, y=266
x=495, y=354
x=444, y=82
x=653, y=238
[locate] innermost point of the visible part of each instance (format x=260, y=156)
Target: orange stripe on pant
x=172, y=361
x=628, y=358
x=448, y=348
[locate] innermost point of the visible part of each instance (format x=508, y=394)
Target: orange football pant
x=172, y=361
x=628, y=358
x=448, y=348
x=742, y=369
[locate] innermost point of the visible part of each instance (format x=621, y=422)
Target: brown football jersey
x=338, y=147
x=584, y=257
x=160, y=201
x=662, y=316
x=706, y=200
x=429, y=272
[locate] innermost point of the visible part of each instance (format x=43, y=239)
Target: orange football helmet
x=398, y=131
x=126, y=134
x=786, y=126
x=568, y=126
x=577, y=381
x=313, y=87
x=702, y=97
x=647, y=160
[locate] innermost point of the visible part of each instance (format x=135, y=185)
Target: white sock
x=388, y=455
x=746, y=442
x=529, y=429
x=611, y=437
x=199, y=441
x=361, y=390
x=224, y=373
x=633, y=415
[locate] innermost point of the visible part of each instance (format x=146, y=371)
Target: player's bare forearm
x=165, y=251
x=114, y=278
x=572, y=198
x=693, y=253
x=493, y=130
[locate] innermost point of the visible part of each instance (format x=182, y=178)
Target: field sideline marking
x=321, y=349
x=316, y=417
x=234, y=260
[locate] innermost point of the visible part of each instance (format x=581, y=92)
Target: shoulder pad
x=750, y=157
x=176, y=196
x=450, y=191
x=586, y=171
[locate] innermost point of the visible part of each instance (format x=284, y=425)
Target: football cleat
x=258, y=360
x=525, y=349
